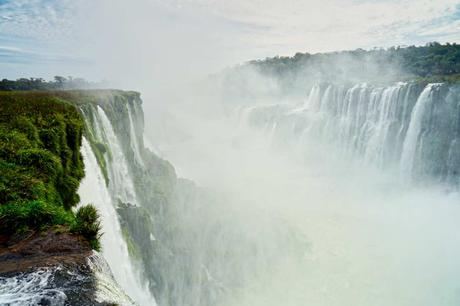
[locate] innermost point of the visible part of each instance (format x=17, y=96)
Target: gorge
x=344, y=193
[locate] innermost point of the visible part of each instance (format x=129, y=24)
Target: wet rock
x=55, y=269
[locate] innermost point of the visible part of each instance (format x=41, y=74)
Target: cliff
x=44, y=239
x=151, y=245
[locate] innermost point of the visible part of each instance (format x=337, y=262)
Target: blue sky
x=42, y=38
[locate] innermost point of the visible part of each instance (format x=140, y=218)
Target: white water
x=314, y=211
x=313, y=99
x=120, y=183
x=390, y=127
x=415, y=127
x=30, y=289
x=93, y=190
x=107, y=290
x=133, y=138
x=40, y=287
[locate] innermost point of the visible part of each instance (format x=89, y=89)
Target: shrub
x=11, y=141
x=18, y=184
x=88, y=224
x=26, y=127
x=67, y=187
x=42, y=160
x=50, y=139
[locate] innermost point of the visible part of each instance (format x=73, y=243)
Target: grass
x=40, y=164
x=32, y=215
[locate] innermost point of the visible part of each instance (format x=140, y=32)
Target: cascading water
x=89, y=283
x=394, y=126
x=120, y=183
x=328, y=226
x=133, y=138
x=276, y=228
x=411, y=141
x=93, y=190
x=30, y=289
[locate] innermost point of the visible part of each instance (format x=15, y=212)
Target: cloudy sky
x=162, y=38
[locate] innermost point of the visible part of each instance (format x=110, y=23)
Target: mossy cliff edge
x=41, y=165
x=42, y=234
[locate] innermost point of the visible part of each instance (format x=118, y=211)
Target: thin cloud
x=331, y=24
x=43, y=19
x=11, y=49
x=153, y=35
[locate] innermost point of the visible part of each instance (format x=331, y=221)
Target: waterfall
x=412, y=140
x=93, y=190
x=106, y=287
x=332, y=225
x=279, y=226
x=314, y=98
x=391, y=127
x=133, y=138
x=120, y=183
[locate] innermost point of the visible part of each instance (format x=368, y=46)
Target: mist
x=289, y=219
x=327, y=229
x=303, y=198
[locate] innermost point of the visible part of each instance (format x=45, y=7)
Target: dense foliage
x=433, y=61
x=41, y=165
x=58, y=83
x=88, y=224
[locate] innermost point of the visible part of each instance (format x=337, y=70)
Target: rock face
x=22, y=252
x=44, y=258
x=150, y=241
x=54, y=268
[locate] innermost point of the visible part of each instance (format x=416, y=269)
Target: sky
x=164, y=39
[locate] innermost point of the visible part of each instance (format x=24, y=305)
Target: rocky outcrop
x=54, y=268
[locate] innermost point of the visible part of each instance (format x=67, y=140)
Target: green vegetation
x=433, y=62
x=433, y=59
x=41, y=165
x=37, y=215
x=58, y=83
x=88, y=225
x=87, y=100
x=455, y=78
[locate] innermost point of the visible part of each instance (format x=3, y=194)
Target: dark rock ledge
x=55, y=268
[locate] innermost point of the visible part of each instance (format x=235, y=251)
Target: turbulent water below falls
x=88, y=284
x=93, y=190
